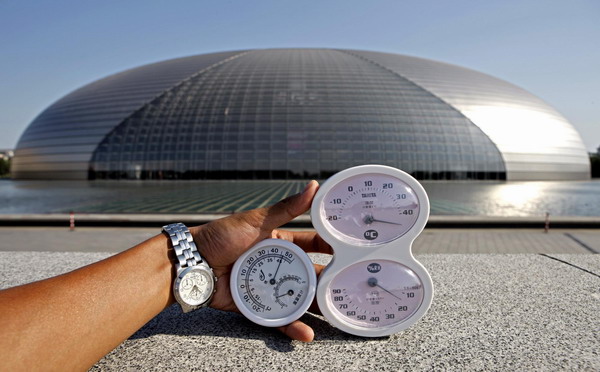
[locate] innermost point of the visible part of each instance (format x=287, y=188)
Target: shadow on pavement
x=215, y=323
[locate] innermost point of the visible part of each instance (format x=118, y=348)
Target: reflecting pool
x=562, y=198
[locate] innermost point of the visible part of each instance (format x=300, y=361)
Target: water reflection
x=520, y=197
x=562, y=198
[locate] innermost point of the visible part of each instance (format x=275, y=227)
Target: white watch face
x=375, y=294
x=195, y=286
x=369, y=209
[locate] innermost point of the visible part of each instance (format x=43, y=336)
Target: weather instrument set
x=373, y=286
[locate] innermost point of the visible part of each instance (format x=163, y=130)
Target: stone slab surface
x=585, y=262
x=82, y=239
x=588, y=238
x=502, y=241
x=490, y=312
x=110, y=239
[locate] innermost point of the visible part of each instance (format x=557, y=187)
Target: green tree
x=595, y=161
x=4, y=167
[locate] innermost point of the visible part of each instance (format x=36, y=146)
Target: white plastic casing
x=348, y=253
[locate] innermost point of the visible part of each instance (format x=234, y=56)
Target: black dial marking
x=247, y=280
x=273, y=281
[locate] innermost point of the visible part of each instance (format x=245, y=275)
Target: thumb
x=288, y=208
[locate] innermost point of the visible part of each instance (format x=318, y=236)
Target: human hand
x=221, y=242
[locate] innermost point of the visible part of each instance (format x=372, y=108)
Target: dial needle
x=389, y=292
x=288, y=293
x=369, y=219
x=374, y=283
x=195, y=292
x=273, y=281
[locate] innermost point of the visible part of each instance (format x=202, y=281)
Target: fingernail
x=306, y=187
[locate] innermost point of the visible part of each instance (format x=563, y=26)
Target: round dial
x=195, y=286
x=369, y=209
x=370, y=215
x=375, y=294
x=273, y=283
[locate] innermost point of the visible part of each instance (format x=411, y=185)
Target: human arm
x=71, y=321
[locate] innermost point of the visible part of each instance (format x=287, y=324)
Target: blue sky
x=549, y=47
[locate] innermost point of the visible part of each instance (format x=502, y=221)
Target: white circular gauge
x=370, y=208
x=273, y=283
x=370, y=215
x=194, y=286
x=375, y=293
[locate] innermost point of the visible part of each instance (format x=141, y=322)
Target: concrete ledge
x=117, y=220
x=512, y=222
x=157, y=220
x=116, y=239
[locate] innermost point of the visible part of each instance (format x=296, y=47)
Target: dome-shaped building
x=299, y=113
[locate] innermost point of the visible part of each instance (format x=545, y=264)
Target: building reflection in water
x=486, y=198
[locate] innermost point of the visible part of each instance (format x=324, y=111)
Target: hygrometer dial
x=375, y=293
x=273, y=283
x=370, y=215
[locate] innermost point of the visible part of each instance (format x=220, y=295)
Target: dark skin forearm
x=89, y=311
x=71, y=321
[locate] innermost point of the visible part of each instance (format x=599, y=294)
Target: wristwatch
x=194, y=283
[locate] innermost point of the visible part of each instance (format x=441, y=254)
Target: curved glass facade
x=267, y=114
x=295, y=114
x=59, y=143
x=535, y=140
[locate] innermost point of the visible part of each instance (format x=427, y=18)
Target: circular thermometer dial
x=370, y=215
x=273, y=283
x=375, y=293
x=370, y=208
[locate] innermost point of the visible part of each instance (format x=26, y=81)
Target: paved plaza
x=505, y=299
x=490, y=312
x=441, y=240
